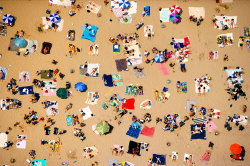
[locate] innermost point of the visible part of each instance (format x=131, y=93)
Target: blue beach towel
x=90, y=34
x=147, y=10
x=69, y=120
x=107, y=80
x=25, y=90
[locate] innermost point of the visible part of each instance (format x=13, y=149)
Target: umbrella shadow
x=110, y=129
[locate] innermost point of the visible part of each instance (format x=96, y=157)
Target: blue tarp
x=90, y=34
x=159, y=159
x=107, y=80
x=25, y=90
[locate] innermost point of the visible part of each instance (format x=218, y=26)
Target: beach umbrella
x=235, y=149
x=7, y=18
x=55, y=18
x=123, y=164
x=174, y=17
x=20, y=42
x=80, y=87
x=159, y=58
x=175, y=9
x=102, y=127
x=124, y=4
x=62, y=93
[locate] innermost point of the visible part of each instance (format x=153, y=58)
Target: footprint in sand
x=201, y=56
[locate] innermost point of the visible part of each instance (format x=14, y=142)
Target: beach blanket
x=227, y=1
x=135, y=59
x=197, y=12
x=118, y=12
x=147, y=131
x=188, y=158
x=133, y=145
x=126, y=19
x=95, y=49
x=132, y=8
x=3, y=73
x=21, y=141
x=206, y=156
x=90, y=34
x=243, y=120
x=200, y=120
x=93, y=152
x=117, y=80
x=52, y=108
x=146, y=107
x=210, y=126
x=233, y=77
x=225, y=40
x=47, y=24
x=129, y=104
x=86, y=112
x=7, y=104
x=93, y=7
x=3, y=139
x=71, y=35
x=229, y=21
x=30, y=47
x=107, y=80
x=247, y=43
x=48, y=46
x=189, y=103
x=12, y=46
x=134, y=90
x=202, y=85
x=164, y=15
x=39, y=162
x=91, y=99
x=25, y=90
x=164, y=70
x=159, y=159
x=246, y=32
x=49, y=89
x=146, y=30
x=47, y=74
x=69, y=120
x=83, y=69
x=147, y=10
x=139, y=74
x=175, y=154
x=3, y=32
x=198, y=131
x=134, y=131
x=116, y=47
x=181, y=87
x=121, y=65
x=93, y=70
x=60, y=2
x=112, y=162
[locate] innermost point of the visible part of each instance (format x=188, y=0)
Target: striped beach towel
x=200, y=120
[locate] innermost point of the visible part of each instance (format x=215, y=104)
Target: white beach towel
x=3, y=139
x=197, y=11
x=21, y=141
x=87, y=111
x=165, y=14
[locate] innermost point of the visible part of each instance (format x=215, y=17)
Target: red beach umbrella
x=235, y=149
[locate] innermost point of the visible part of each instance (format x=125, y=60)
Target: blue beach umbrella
x=20, y=42
x=7, y=18
x=159, y=58
x=124, y=4
x=55, y=18
x=80, y=87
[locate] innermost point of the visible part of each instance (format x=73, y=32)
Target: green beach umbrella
x=62, y=93
x=102, y=127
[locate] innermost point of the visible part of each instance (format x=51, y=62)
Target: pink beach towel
x=164, y=69
x=210, y=126
x=148, y=131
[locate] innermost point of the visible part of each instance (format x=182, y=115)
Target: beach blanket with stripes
x=200, y=120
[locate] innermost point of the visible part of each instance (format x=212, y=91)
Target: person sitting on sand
x=94, y=70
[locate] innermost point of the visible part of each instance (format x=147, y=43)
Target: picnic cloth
x=54, y=105
x=3, y=32
x=164, y=70
x=243, y=120
x=225, y=20
x=90, y=34
x=25, y=90
x=147, y=131
x=164, y=15
x=12, y=46
x=47, y=24
x=121, y=64
x=83, y=69
x=133, y=8
x=197, y=12
x=69, y=120
x=118, y=12
x=3, y=73
x=134, y=132
x=90, y=99
x=159, y=159
x=129, y=104
x=116, y=47
x=113, y=161
x=230, y=73
x=133, y=145
x=31, y=43
x=3, y=139
x=146, y=28
x=107, y=80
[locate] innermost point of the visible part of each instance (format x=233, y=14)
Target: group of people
x=31, y=118
x=196, y=20
x=171, y=123
x=12, y=86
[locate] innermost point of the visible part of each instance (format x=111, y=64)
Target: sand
x=202, y=38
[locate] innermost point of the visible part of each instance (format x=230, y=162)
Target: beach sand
x=202, y=38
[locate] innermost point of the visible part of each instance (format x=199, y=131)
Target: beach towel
x=164, y=15
x=134, y=131
x=25, y=90
x=175, y=154
x=69, y=120
x=188, y=158
x=60, y=2
x=200, y=120
x=147, y=131
x=232, y=73
x=93, y=70
x=117, y=80
x=90, y=34
x=7, y=104
x=139, y=74
x=132, y=8
x=198, y=131
x=48, y=46
x=197, y=12
x=146, y=107
x=113, y=161
x=189, y=103
x=12, y=46
x=71, y=35
x=87, y=113
x=181, y=87
x=147, y=10
x=146, y=30
x=210, y=126
x=47, y=24
x=129, y=104
x=246, y=32
x=52, y=109
x=93, y=7
x=227, y=1
x=3, y=32
x=164, y=70
x=118, y=12
x=116, y=47
x=183, y=67
x=243, y=120
x=225, y=40
x=21, y=141
x=3, y=73
x=222, y=21
x=133, y=145
x=47, y=74
x=186, y=41
x=39, y=162
x=83, y=69
x=206, y=156
x=49, y=89
x=108, y=80
x=91, y=99
x=32, y=43
x=3, y=139
x=126, y=19
x=121, y=65
x=159, y=159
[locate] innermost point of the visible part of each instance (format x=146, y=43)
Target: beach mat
x=69, y=120
x=148, y=131
x=48, y=46
x=133, y=145
x=164, y=70
x=121, y=65
x=39, y=162
x=147, y=10
x=12, y=46
x=44, y=74
x=3, y=73
x=139, y=74
x=113, y=161
x=129, y=104
x=159, y=159
x=133, y=132
x=3, y=139
x=189, y=102
x=25, y=90
x=108, y=80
